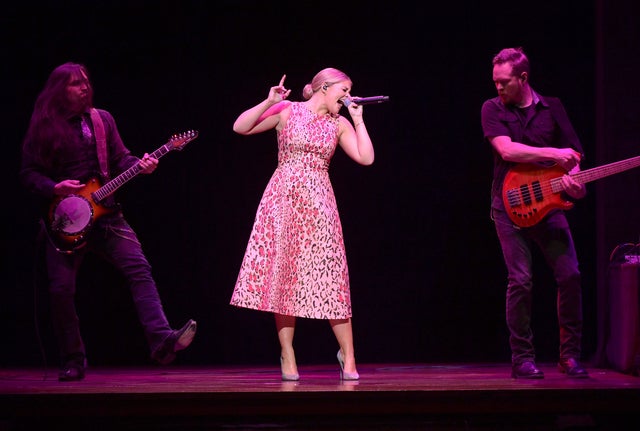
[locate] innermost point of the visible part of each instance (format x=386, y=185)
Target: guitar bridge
x=513, y=198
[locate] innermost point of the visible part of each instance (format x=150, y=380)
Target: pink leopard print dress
x=295, y=263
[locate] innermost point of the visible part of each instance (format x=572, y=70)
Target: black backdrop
x=427, y=276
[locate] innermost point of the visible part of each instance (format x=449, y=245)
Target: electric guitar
x=71, y=217
x=529, y=192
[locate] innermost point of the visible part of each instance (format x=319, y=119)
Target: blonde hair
x=328, y=77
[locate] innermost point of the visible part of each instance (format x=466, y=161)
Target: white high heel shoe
x=344, y=375
x=288, y=377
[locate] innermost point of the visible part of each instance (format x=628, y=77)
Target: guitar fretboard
x=177, y=142
x=125, y=176
x=606, y=170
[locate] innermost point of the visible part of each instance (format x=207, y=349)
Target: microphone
x=365, y=100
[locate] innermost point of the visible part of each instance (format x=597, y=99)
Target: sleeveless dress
x=295, y=262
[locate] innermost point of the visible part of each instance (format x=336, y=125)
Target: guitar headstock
x=178, y=141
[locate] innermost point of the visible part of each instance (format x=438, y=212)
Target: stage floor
x=387, y=397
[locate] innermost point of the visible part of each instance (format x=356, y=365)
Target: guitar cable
x=37, y=251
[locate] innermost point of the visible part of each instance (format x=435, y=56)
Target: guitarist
x=524, y=127
x=59, y=153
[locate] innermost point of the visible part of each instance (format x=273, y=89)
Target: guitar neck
x=113, y=185
x=606, y=170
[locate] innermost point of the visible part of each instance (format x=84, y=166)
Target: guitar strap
x=562, y=119
x=101, y=142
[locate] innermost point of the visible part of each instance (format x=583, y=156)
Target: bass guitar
x=529, y=191
x=70, y=217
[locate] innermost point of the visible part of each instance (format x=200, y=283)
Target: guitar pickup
x=537, y=190
x=526, y=195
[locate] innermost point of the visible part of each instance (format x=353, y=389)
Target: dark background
x=427, y=277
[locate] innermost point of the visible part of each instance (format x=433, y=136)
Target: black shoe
x=73, y=369
x=572, y=368
x=184, y=335
x=176, y=341
x=526, y=370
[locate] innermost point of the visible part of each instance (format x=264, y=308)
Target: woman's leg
x=343, y=331
x=286, y=327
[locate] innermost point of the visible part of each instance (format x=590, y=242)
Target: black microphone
x=366, y=100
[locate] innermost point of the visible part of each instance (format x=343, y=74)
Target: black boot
x=73, y=368
x=176, y=341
